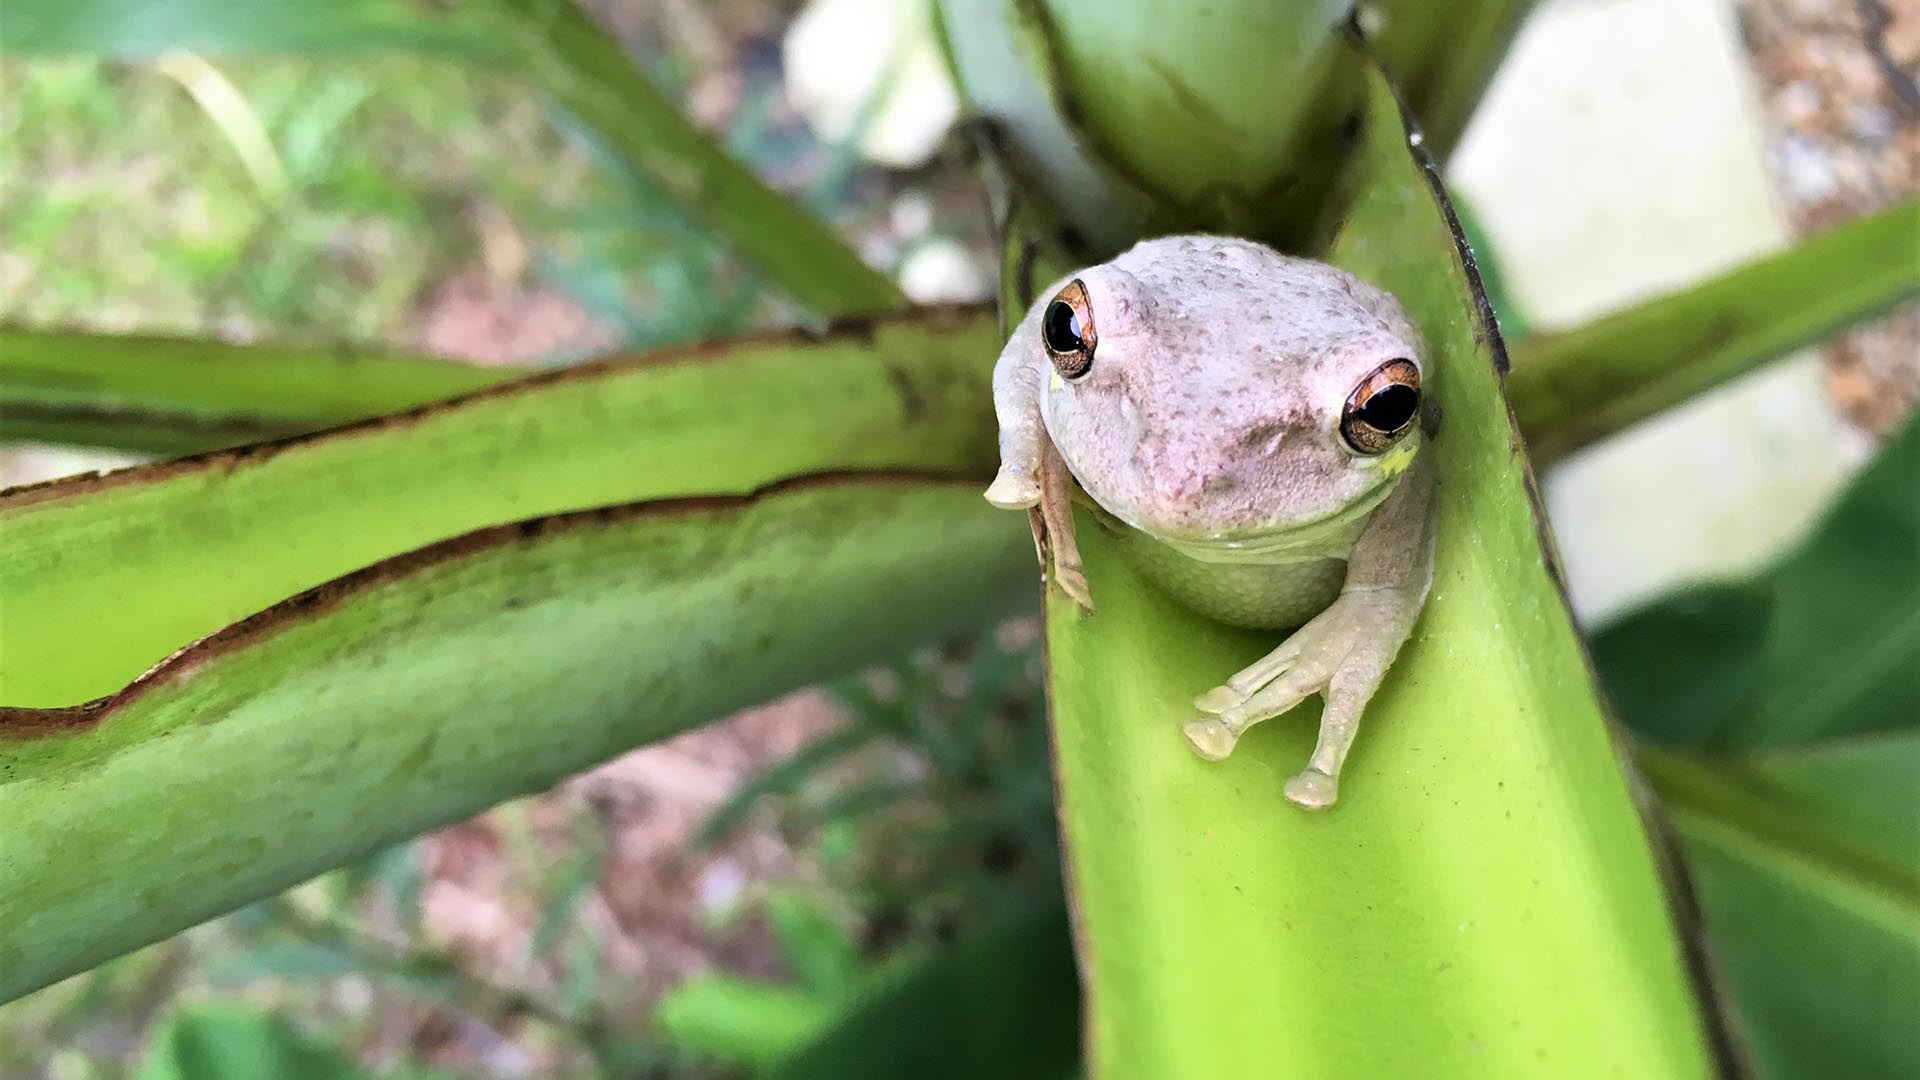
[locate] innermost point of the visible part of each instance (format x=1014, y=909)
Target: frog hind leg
x=1053, y=530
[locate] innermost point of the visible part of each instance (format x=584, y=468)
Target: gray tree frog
x=1248, y=425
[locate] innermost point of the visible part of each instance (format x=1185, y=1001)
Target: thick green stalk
x=102, y=577
x=421, y=689
x=1572, y=387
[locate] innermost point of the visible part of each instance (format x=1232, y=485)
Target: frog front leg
x=1344, y=651
x=1032, y=475
x=1023, y=435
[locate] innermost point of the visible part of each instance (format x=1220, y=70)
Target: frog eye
x=1382, y=407
x=1066, y=329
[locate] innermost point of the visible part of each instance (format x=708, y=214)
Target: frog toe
x=1219, y=700
x=1312, y=789
x=1211, y=737
x=1014, y=490
x=1073, y=582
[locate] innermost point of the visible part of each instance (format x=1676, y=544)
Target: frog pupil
x=1061, y=328
x=1390, y=407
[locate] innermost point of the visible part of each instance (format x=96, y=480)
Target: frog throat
x=1327, y=536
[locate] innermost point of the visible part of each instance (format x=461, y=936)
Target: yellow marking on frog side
x=1054, y=382
x=1395, y=461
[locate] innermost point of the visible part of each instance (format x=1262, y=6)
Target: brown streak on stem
x=854, y=328
x=239, y=425
x=20, y=724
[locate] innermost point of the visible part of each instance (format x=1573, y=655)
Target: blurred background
x=694, y=908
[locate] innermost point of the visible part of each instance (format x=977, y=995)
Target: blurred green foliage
x=1781, y=722
x=240, y=1044
x=132, y=211
x=127, y=208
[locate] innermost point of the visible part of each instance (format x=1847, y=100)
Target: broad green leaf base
x=425, y=688
x=1483, y=899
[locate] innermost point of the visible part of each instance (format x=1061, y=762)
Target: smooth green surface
x=102, y=578
x=1807, y=869
x=179, y=395
x=1572, y=387
x=426, y=688
x=548, y=41
x=1240, y=143
x=1824, y=644
x=1482, y=901
x=1247, y=142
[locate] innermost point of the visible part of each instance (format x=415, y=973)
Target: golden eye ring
x=1066, y=329
x=1382, y=408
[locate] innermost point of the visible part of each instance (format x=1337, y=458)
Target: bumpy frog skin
x=1247, y=424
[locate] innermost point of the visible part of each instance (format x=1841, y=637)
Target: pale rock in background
x=845, y=56
x=944, y=271
x=1618, y=155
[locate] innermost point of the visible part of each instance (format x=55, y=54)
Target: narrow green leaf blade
x=421, y=689
x=178, y=395
x=1483, y=901
x=1572, y=387
x=587, y=72
x=1861, y=789
x=103, y=577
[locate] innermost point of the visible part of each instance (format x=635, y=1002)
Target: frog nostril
x=1264, y=439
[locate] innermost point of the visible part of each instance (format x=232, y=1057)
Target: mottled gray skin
x=1207, y=434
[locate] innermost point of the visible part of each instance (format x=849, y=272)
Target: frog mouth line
x=1329, y=535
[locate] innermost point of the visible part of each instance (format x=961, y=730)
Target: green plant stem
x=181, y=395
x=424, y=688
x=1572, y=387
x=179, y=550
x=1443, y=56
